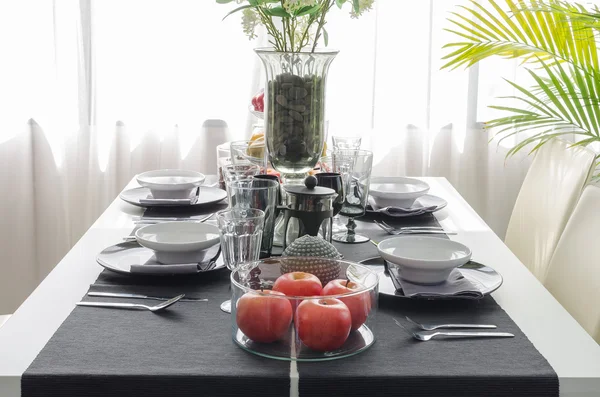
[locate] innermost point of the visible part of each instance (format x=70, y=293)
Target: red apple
x=260, y=102
x=264, y=318
x=298, y=284
x=359, y=305
x=323, y=324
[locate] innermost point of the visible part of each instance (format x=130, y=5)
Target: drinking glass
x=249, y=152
x=260, y=194
x=223, y=160
x=238, y=172
x=241, y=236
x=346, y=142
x=355, y=167
x=326, y=163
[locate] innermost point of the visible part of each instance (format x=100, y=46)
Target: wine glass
x=333, y=180
x=241, y=236
x=355, y=167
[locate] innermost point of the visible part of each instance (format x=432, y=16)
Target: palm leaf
x=528, y=28
x=558, y=40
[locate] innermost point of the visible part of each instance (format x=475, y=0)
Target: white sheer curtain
x=94, y=91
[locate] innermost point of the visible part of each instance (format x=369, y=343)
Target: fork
x=425, y=336
x=411, y=230
x=431, y=327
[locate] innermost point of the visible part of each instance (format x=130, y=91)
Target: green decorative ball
x=314, y=253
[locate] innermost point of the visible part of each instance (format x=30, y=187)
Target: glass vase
x=295, y=109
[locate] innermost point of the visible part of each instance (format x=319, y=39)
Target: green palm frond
x=533, y=30
x=558, y=41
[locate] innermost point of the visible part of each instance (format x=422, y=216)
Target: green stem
x=291, y=30
x=321, y=24
x=283, y=23
x=271, y=29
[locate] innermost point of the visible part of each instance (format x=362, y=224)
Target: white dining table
x=573, y=354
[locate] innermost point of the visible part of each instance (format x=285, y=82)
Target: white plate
x=122, y=257
x=424, y=260
x=178, y=242
x=396, y=191
x=170, y=184
x=484, y=278
x=208, y=196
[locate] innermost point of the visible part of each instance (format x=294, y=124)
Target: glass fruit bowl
x=304, y=308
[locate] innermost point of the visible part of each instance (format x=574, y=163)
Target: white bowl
x=397, y=191
x=171, y=184
x=424, y=260
x=178, y=242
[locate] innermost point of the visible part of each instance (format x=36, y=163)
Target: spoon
x=424, y=336
x=154, y=309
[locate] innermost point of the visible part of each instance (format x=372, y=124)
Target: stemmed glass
x=241, y=237
x=355, y=167
x=333, y=180
x=343, y=143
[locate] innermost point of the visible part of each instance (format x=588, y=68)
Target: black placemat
x=397, y=365
x=188, y=351
x=185, y=351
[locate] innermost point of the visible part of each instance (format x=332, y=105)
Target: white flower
x=363, y=6
x=250, y=21
x=292, y=6
x=301, y=28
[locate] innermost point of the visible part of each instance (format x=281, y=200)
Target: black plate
x=208, y=196
x=486, y=279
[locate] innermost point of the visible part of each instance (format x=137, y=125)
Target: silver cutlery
x=153, y=220
x=154, y=309
x=384, y=223
x=138, y=296
x=412, y=230
x=431, y=327
x=156, y=219
x=426, y=336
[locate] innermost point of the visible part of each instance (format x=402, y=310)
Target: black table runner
x=188, y=351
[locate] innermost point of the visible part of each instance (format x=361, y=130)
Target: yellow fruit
x=257, y=135
x=257, y=148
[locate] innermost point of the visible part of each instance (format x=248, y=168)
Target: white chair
x=574, y=271
x=549, y=193
x=4, y=319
